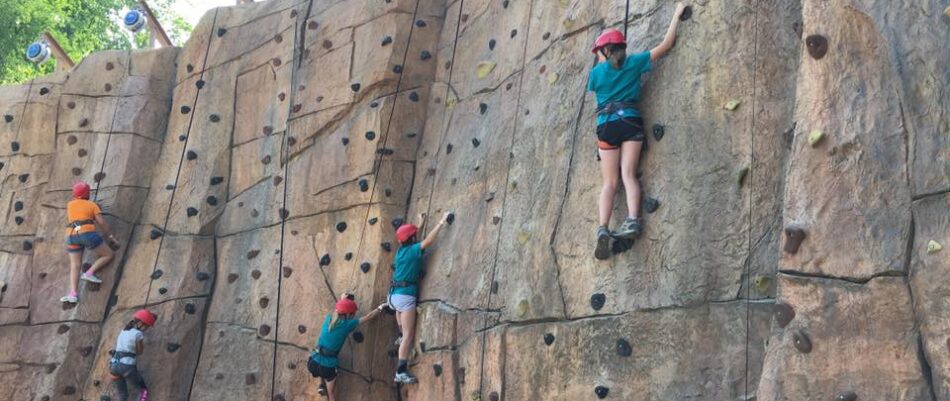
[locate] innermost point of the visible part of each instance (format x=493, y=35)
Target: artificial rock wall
x=259, y=171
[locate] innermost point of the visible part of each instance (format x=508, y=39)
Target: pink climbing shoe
x=143, y=396
x=71, y=298
x=91, y=278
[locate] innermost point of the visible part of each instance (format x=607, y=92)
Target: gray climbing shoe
x=629, y=229
x=602, y=252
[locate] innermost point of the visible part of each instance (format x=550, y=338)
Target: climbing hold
x=264, y=330
x=255, y=274
x=348, y=256
x=601, y=391
x=99, y=176
x=623, y=348
x=82, y=153
x=85, y=351
x=107, y=87
x=817, y=46
x=182, y=137
x=214, y=118
x=658, y=132
x=522, y=309
x=388, y=247
x=420, y=23
x=253, y=254
x=345, y=141
x=358, y=336
x=69, y=390
x=546, y=36
x=504, y=4
x=232, y=277
x=482, y=108
x=216, y=180
x=325, y=260
x=370, y=135
x=200, y=84
x=514, y=32
x=763, y=284
x=490, y=197
x=341, y=226
x=277, y=180
x=493, y=396
x=191, y=212
x=802, y=342
x=263, y=302
x=732, y=105
x=155, y=233
x=17, y=206
x=213, y=201
x=169, y=187
x=185, y=109
x=355, y=87
x=15, y=146
x=62, y=329
x=413, y=96
x=425, y=55
x=278, y=38
x=191, y=155
x=221, y=32
x=71, y=140
x=794, y=235
x=387, y=40
x=437, y=370
x=44, y=90
x=71, y=105
x=18, y=220
x=933, y=247
x=448, y=149
x=814, y=137
x=783, y=313
x=172, y=347
x=388, y=192
x=397, y=69
x=484, y=68
x=397, y=222
x=265, y=159
x=846, y=396
x=373, y=220
x=385, y=151
x=476, y=142
x=27, y=245
x=364, y=185
x=364, y=267
x=281, y=96
x=76, y=171
x=162, y=290
x=491, y=44
x=23, y=177
x=548, y=339
x=287, y=271
x=597, y=301
x=8, y=118
x=740, y=176
x=650, y=204
x=157, y=274
x=190, y=309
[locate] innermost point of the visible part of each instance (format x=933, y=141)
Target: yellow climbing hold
x=484, y=68
x=763, y=284
x=451, y=102
x=732, y=105
x=947, y=11
x=522, y=308
x=568, y=24
x=933, y=247
x=552, y=78
x=523, y=237
x=814, y=137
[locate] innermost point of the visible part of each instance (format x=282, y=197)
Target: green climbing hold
x=740, y=176
x=552, y=78
x=946, y=11
x=933, y=247
x=484, y=68
x=522, y=308
x=763, y=284
x=732, y=105
x=814, y=137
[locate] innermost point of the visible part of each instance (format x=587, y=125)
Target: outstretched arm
x=670, y=37
x=430, y=238
x=369, y=316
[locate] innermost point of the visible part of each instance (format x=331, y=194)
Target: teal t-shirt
x=408, y=268
x=619, y=85
x=333, y=339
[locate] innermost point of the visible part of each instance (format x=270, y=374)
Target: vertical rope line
x=748, y=267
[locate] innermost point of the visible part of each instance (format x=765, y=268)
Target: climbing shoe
x=629, y=229
x=322, y=389
x=71, y=298
x=405, y=378
x=143, y=396
x=91, y=278
x=602, y=252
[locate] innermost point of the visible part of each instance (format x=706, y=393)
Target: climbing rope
x=748, y=264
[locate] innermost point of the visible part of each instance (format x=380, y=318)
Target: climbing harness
x=76, y=225
x=321, y=350
x=119, y=355
x=402, y=284
x=614, y=107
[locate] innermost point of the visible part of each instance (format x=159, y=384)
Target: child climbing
x=83, y=217
x=616, y=82
x=336, y=327
x=405, y=287
x=131, y=343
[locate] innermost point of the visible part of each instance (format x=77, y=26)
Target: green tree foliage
x=80, y=26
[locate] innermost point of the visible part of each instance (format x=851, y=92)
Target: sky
x=192, y=10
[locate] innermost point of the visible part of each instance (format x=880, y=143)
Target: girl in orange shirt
x=84, y=216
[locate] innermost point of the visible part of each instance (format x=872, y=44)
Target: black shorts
x=318, y=370
x=611, y=134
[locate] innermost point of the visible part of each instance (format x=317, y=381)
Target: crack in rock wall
x=258, y=172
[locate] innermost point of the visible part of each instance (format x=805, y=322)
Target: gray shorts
x=402, y=303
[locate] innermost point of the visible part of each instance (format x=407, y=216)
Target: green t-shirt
x=333, y=339
x=408, y=268
x=619, y=85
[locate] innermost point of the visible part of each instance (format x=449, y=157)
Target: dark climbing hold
x=76, y=171
x=783, y=313
x=650, y=204
x=169, y=187
x=82, y=153
x=437, y=370
x=190, y=309
x=514, y=32
x=548, y=338
x=373, y=220
x=287, y=271
x=388, y=191
x=413, y=96
x=222, y=31
x=364, y=186
x=155, y=233
x=263, y=302
x=312, y=25
x=801, y=341
x=494, y=287
x=597, y=301
x=265, y=159
x=278, y=38
x=493, y=396
x=364, y=267
x=23, y=177
x=83, y=122
x=172, y=347
x=107, y=87
x=17, y=206
x=214, y=118
x=817, y=46
x=348, y=256
x=71, y=140
x=255, y=274
x=687, y=13
x=425, y=55
x=623, y=348
x=15, y=146
x=182, y=137
x=397, y=222
x=420, y=23
x=191, y=212
x=301, y=329
x=388, y=247
x=99, y=176
x=157, y=274
x=504, y=4
x=191, y=155
x=482, y=108
x=18, y=220
x=358, y=336
x=846, y=396
x=213, y=201
x=264, y=330
x=44, y=90
x=657, y=132
x=374, y=105
x=199, y=84
x=252, y=254
x=385, y=151
x=325, y=260
x=450, y=218
x=69, y=390
x=27, y=245
x=448, y=148
x=387, y=40
x=189, y=68
x=345, y=140
x=491, y=44
x=397, y=69
x=355, y=87
x=284, y=213
x=162, y=290
x=601, y=391
x=62, y=329
x=341, y=226
x=216, y=180
x=71, y=105
x=794, y=235
x=8, y=118
x=370, y=135
x=185, y=109
x=202, y=276
x=232, y=277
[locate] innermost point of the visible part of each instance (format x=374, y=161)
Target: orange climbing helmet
x=405, y=232
x=81, y=190
x=609, y=37
x=346, y=306
x=145, y=316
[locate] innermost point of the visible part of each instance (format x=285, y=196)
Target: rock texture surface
x=258, y=172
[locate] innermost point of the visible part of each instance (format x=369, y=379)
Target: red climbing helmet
x=144, y=316
x=405, y=232
x=609, y=37
x=81, y=190
x=346, y=306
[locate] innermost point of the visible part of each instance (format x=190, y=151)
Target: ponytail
x=334, y=320
x=132, y=324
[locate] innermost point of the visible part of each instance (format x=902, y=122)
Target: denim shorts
x=78, y=242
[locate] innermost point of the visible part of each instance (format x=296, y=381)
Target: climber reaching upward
x=616, y=82
x=129, y=345
x=84, y=216
x=337, y=326
x=405, y=287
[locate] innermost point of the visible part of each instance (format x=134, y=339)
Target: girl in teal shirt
x=616, y=82
x=337, y=326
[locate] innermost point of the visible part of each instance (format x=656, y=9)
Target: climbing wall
x=795, y=189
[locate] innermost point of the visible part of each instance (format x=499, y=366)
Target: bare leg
x=331, y=389
x=408, y=319
x=630, y=158
x=75, y=266
x=105, y=256
x=609, y=171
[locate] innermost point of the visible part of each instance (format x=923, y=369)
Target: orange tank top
x=78, y=210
